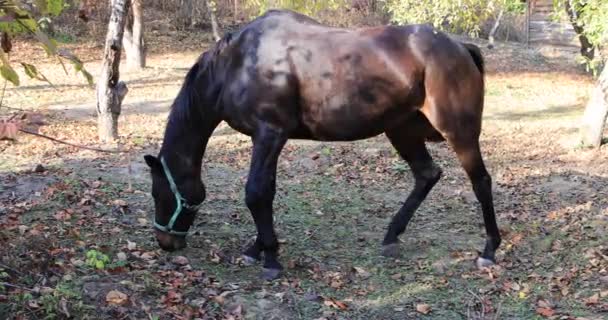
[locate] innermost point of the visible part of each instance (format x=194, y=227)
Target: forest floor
x=333, y=204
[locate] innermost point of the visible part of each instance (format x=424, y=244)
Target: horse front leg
x=426, y=174
x=260, y=191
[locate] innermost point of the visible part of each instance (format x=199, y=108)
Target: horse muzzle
x=169, y=242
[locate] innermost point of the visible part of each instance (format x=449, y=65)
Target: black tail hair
x=476, y=55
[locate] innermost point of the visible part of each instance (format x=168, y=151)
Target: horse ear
x=152, y=162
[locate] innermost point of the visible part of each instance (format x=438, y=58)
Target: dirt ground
x=77, y=238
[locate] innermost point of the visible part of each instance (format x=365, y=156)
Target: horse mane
x=186, y=111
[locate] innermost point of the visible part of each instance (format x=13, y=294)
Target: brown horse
x=285, y=76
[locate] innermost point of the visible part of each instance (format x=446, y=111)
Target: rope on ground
x=129, y=168
x=72, y=144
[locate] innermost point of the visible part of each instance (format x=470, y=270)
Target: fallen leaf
x=121, y=256
x=147, y=255
x=198, y=302
x=172, y=298
x=8, y=130
x=214, y=257
x=131, y=245
x=180, y=260
x=62, y=215
x=120, y=203
x=64, y=308
x=336, y=284
x=116, y=297
x=423, y=308
x=23, y=229
x=362, y=272
x=543, y=303
x=331, y=302
x=594, y=299
x=545, y=312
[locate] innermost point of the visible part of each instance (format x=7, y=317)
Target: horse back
x=329, y=83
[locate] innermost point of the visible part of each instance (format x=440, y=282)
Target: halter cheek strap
x=180, y=202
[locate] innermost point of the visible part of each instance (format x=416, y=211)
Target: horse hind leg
x=459, y=121
x=426, y=174
x=469, y=154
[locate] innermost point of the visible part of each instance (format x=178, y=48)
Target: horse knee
x=433, y=174
x=482, y=184
x=257, y=196
x=429, y=175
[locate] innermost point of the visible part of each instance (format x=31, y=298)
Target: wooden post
x=110, y=90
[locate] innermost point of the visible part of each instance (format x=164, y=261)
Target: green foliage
x=51, y=303
x=592, y=17
x=22, y=17
x=450, y=15
x=7, y=71
x=307, y=7
x=97, y=259
x=55, y=7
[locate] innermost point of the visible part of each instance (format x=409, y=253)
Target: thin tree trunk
x=236, y=11
x=587, y=49
x=214, y=27
x=110, y=90
x=495, y=28
x=184, y=15
x=133, y=40
x=127, y=38
x=596, y=111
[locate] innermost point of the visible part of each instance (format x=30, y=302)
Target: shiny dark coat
x=285, y=76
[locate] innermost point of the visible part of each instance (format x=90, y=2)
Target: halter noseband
x=180, y=201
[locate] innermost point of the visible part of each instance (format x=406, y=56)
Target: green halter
x=180, y=201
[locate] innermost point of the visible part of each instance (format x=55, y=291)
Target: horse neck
x=190, y=125
x=185, y=148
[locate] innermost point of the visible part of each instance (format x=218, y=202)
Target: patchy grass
x=333, y=204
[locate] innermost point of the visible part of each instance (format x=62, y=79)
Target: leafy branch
x=19, y=17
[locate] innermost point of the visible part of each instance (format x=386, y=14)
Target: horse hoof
x=270, y=274
x=248, y=261
x=391, y=250
x=484, y=263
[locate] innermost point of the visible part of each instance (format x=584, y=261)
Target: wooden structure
x=542, y=30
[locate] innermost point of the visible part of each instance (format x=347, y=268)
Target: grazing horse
x=285, y=76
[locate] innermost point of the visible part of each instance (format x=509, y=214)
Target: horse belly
x=350, y=122
x=354, y=109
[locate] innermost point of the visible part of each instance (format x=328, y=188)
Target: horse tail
x=475, y=53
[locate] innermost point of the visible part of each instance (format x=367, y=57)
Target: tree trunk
x=127, y=37
x=214, y=27
x=111, y=91
x=596, y=112
x=133, y=40
x=495, y=28
x=587, y=49
x=184, y=15
x=236, y=11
